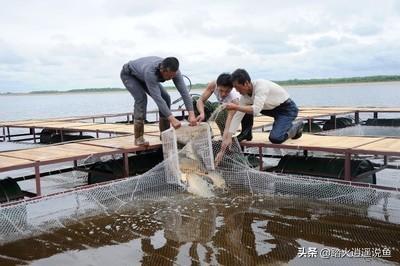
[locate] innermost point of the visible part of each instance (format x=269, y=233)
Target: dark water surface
x=186, y=230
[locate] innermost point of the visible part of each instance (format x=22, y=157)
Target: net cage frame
x=37, y=216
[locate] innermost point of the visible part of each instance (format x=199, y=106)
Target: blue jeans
x=283, y=115
x=139, y=91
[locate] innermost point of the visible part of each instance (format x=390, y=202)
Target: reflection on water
x=184, y=230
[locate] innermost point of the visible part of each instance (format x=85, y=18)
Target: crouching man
x=267, y=98
x=223, y=90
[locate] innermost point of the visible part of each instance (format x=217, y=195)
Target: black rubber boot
x=296, y=131
x=247, y=128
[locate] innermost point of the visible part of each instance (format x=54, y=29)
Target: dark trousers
x=283, y=115
x=247, y=124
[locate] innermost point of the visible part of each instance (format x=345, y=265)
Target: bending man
x=223, y=90
x=267, y=98
x=143, y=76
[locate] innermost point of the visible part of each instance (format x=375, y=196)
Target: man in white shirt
x=267, y=98
x=223, y=90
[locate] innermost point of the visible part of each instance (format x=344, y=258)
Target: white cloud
x=8, y=55
x=52, y=44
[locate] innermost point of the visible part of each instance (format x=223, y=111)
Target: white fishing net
x=196, y=151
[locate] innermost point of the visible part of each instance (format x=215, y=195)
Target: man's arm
x=236, y=107
x=251, y=107
x=183, y=91
x=155, y=92
x=203, y=98
x=226, y=138
x=260, y=96
x=228, y=122
x=232, y=122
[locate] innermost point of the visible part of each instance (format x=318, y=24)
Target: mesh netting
x=196, y=142
x=218, y=117
x=190, y=169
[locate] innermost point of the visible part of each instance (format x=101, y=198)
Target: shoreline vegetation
x=291, y=82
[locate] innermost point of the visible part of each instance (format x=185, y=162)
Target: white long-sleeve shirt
x=266, y=95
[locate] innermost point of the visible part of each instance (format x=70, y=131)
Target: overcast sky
x=60, y=45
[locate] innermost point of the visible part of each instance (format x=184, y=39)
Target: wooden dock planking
x=260, y=121
x=72, y=151
x=53, y=124
x=307, y=110
x=315, y=113
x=64, y=152
x=346, y=145
x=7, y=163
x=315, y=141
x=125, y=142
x=379, y=109
x=107, y=128
x=265, y=119
x=21, y=122
x=328, y=108
x=261, y=124
x=83, y=126
x=62, y=125
x=150, y=128
x=383, y=146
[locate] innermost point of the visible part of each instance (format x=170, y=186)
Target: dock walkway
x=345, y=145
x=124, y=144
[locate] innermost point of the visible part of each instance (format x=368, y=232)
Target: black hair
x=170, y=63
x=224, y=80
x=240, y=76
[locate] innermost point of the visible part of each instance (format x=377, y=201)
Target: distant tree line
x=79, y=90
x=323, y=81
x=202, y=86
x=339, y=80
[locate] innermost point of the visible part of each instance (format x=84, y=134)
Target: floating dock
x=347, y=146
x=122, y=141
